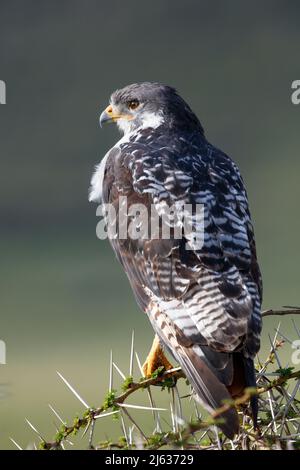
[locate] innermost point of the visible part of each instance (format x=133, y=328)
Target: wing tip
x=231, y=424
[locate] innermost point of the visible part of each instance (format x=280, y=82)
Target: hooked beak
x=109, y=115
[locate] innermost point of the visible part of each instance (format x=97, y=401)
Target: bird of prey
x=204, y=302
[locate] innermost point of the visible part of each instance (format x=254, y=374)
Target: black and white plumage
x=205, y=303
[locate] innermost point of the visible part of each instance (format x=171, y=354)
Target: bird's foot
x=155, y=359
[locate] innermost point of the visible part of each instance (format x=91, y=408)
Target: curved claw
x=155, y=359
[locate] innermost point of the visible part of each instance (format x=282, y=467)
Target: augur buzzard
x=203, y=303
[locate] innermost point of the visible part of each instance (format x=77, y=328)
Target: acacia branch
x=287, y=311
x=177, y=373
x=114, y=402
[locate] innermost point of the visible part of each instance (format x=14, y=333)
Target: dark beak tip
x=104, y=117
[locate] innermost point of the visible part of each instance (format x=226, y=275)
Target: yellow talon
x=155, y=359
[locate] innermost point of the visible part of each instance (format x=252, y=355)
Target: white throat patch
x=149, y=120
x=152, y=120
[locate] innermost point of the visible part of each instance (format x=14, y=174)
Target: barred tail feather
x=210, y=391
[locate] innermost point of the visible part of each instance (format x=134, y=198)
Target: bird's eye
x=133, y=104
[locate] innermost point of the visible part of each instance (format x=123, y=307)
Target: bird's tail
x=210, y=391
x=250, y=379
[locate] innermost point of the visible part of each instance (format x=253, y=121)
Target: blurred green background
x=64, y=299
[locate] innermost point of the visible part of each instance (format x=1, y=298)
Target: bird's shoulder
x=170, y=160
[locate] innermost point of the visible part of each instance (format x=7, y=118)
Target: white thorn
x=34, y=429
x=119, y=370
x=139, y=364
x=86, y=429
x=131, y=355
x=57, y=415
x=172, y=417
x=73, y=390
x=139, y=407
x=124, y=428
x=102, y=415
x=16, y=444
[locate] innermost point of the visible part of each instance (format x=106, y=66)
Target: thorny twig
x=279, y=410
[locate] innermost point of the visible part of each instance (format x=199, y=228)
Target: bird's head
x=149, y=105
